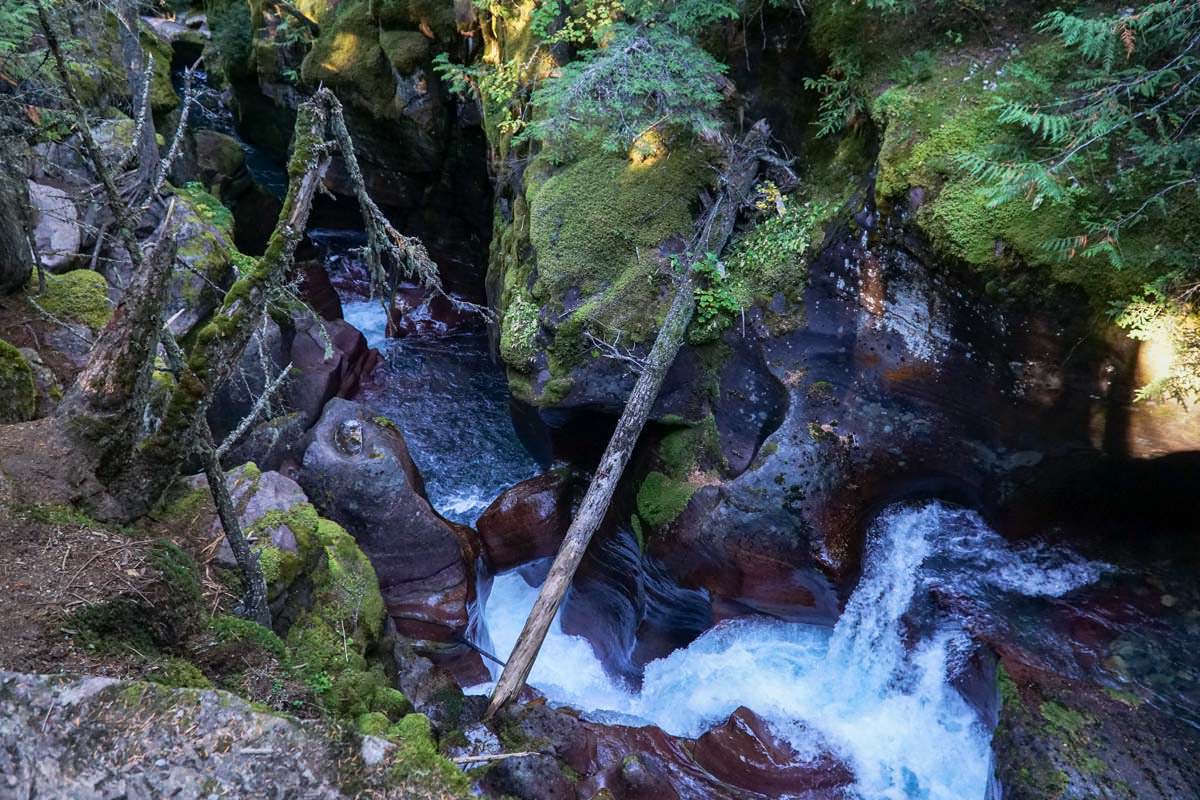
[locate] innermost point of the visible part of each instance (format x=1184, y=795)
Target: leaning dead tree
x=106, y=418
x=742, y=160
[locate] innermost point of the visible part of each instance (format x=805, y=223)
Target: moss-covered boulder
x=206, y=259
x=588, y=252
x=18, y=395
x=275, y=513
x=78, y=297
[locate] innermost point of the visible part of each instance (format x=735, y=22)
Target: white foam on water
x=368, y=317
x=467, y=504
x=976, y=560
x=887, y=710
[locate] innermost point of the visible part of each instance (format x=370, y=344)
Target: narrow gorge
x=317, y=318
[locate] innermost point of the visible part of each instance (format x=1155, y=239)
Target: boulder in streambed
x=743, y=751
x=358, y=472
x=527, y=522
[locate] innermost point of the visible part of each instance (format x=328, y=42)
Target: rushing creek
x=876, y=688
x=887, y=708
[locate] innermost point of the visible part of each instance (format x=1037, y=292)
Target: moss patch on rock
x=418, y=765
x=348, y=58
x=18, y=392
x=79, y=296
x=661, y=499
x=331, y=639
x=178, y=673
x=594, y=221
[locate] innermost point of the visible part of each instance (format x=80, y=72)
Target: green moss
x=1127, y=698
x=183, y=504
x=79, y=296
x=772, y=257
x=405, y=50
x=590, y=219
x=60, y=515
x=371, y=723
x=230, y=629
x=1068, y=722
x=348, y=58
x=162, y=94
x=282, y=567
x=635, y=525
x=696, y=447
x=116, y=626
x=417, y=762
x=518, y=332
x=178, y=571
x=18, y=392
x=928, y=127
x=391, y=702
x=1010, y=696
x=329, y=641
x=178, y=673
x=384, y=422
x=661, y=499
x=207, y=207
x=595, y=225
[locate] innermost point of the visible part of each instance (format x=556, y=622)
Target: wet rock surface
x=528, y=521
x=746, y=753
x=358, y=472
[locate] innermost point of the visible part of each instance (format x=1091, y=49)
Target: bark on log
x=254, y=601
x=713, y=231
x=599, y=495
x=137, y=70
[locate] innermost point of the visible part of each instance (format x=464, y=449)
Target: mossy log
x=712, y=233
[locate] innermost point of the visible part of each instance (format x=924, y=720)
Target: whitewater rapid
x=887, y=709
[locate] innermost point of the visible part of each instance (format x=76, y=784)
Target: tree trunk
x=254, y=602
x=16, y=262
x=713, y=231
x=599, y=494
x=134, y=58
x=219, y=344
x=103, y=409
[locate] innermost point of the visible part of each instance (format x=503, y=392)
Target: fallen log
x=712, y=233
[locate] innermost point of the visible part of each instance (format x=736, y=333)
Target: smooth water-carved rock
x=359, y=473
x=743, y=751
x=319, y=378
x=528, y=521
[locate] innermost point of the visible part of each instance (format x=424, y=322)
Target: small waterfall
x=887, y=709
x=867, y=634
